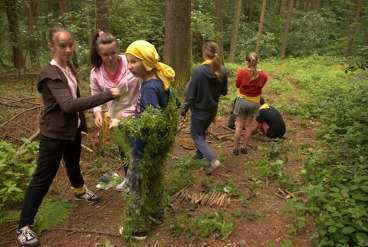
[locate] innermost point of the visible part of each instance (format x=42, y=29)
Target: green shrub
x=16, y=170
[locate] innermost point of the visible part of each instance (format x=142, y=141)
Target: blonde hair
x=211, y=50
x=252, y=59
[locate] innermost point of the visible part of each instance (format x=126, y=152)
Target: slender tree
x=219, y=8
x=349, y=45
x=177, y=48
x=286, y=29
x=13, y=21
x=29, y=4
x=263, y=11
x=235, y=30
x=103, y=22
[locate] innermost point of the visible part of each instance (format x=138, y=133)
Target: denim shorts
x=244, y=107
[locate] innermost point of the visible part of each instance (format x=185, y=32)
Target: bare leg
x=248, y=129
x=239, y=124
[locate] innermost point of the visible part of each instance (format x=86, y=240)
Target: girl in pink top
x=109, y=70
x=249, y=82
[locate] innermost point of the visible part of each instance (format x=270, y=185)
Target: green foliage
x=158, y=129
x=9, y=216
x=229, y=187
x=272, y=163
x=335, y=175
x=16, y=170
x=178, y=176
x=249, y=215
x=52, y=212
x=199, y=228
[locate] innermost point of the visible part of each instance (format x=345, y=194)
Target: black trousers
x=51, y=151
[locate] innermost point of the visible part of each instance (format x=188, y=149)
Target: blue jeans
x=51, y=151
x=200, y=121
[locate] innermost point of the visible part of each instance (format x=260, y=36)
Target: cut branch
x=30, y=109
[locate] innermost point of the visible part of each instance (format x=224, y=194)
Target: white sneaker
x=122, y=186
x=214, y=164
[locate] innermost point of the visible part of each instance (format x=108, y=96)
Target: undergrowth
x=335, y=177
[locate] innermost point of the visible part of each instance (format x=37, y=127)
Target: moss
x=158, y=129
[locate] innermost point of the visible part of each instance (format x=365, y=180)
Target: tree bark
x=263, y=11
x=103, y=22
x=30, y=5
x=13, y=20
x=235, y=31
x=177, y=48
x=286, y=29
x=250, y=13
x=349, y=45
x=279, y=6
x=219, y=8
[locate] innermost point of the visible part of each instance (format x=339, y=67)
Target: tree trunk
x=279, y=5
x=177, y=48
x=103, y=22
x=13, y=20
x=286, y=29
x=251, y=8
x=318, y=5
x=349, y=45
x=31, y=33
x=263, y=11
x=219, y=8
x=235, y=31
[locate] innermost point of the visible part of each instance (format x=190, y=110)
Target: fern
x=52, y=212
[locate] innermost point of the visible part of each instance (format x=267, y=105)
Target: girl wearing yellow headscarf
x=157, y=78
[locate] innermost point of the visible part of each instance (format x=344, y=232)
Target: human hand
x=113, y=123
x=98, y=119
x=115, y=92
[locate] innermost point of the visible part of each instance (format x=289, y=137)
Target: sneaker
x=235, y=151
x=214, y=164
x=243, y=150
x=197, y=156
x=121, y=186
x=138, y=235
x=26, y=237
x=87, y=196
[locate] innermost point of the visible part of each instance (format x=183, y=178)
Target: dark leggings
x=51, y=151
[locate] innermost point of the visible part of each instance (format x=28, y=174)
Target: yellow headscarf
x=149, y=56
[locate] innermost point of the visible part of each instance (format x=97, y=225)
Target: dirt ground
x=94, y=225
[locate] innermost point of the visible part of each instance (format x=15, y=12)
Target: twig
x=226, y=168
x=225, y=127
x=86, y=231
x=280, y=196
x=186, y=186
x=30, y=109
x=10, y=230
x=87, y=148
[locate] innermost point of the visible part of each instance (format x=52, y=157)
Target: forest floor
x=263, y=223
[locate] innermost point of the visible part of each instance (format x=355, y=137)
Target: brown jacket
x=60, y=115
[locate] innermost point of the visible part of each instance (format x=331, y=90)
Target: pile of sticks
x=203, y=199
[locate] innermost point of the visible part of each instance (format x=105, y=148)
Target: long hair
x=99, y=37
x=252, y=59
x=53, y=35
x=211, y=50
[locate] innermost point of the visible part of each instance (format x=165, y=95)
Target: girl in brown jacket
x=61, y=124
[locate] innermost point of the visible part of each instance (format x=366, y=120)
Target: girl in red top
x=249, y=82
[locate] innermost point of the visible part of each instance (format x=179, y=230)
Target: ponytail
x=252, y=59
x=211, y=51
